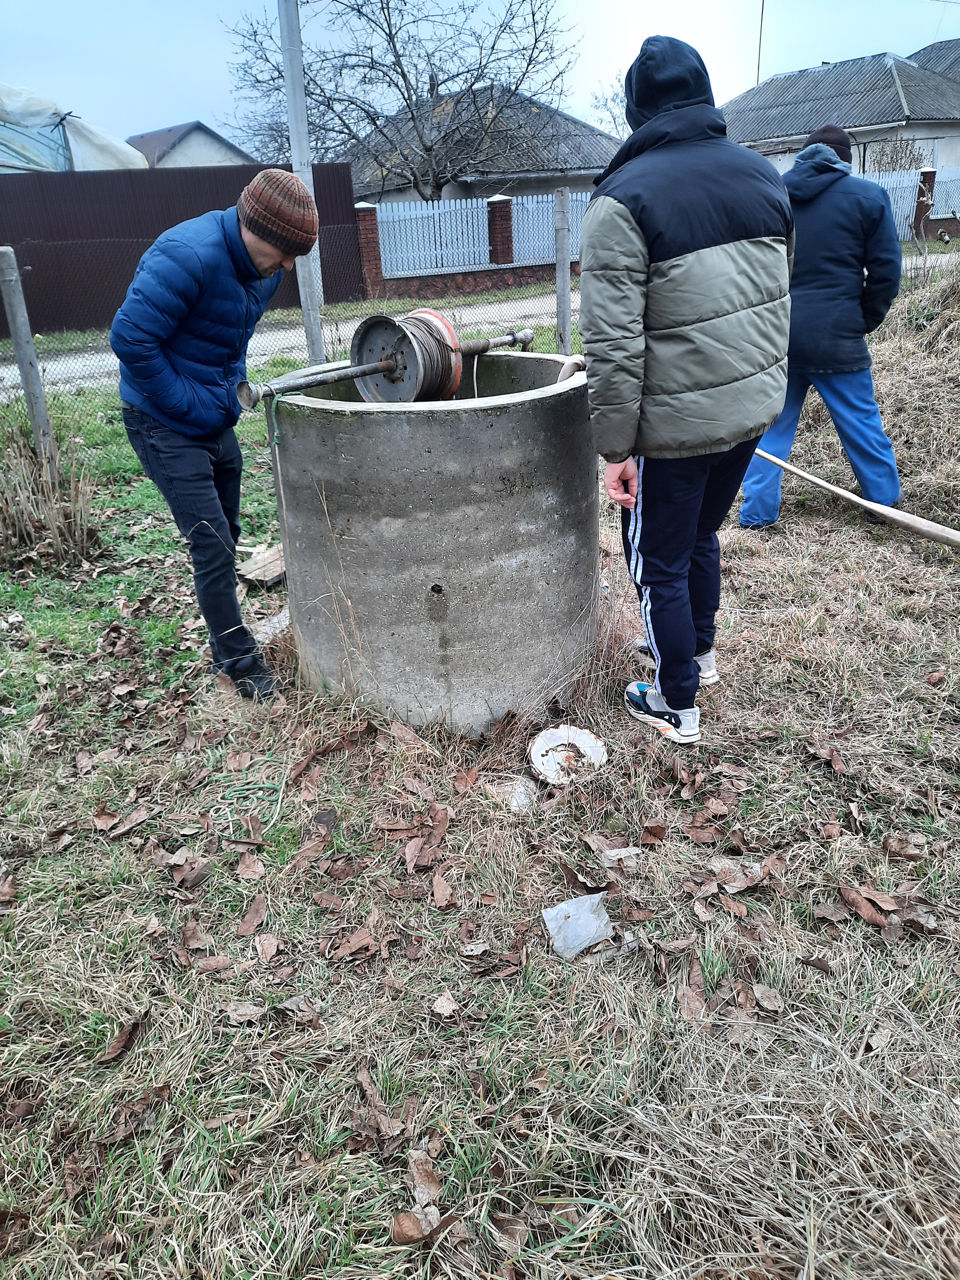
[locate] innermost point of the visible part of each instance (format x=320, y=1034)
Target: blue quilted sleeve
x=165, y=288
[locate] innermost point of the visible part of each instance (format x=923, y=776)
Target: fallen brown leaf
x=103, y=819
x=910, y=846
x=121, y=1042
x=253, y=918
x=250, y=867
x=422, y=1177
x=140, y=814
x=194, y=937
x=8, y=888
x=445, y=1006
x=267, y=945
x=880, y=899
x=834, y=911
x=192, y=873
x=767, y=998
x=731, y=904
x=703, y=835
x=414, y=1226
x=240, y=1011
x=329, y=901
x=360, y=945
x=866, y=910
x=816, y=962
x=405, y=735
x=443, y=894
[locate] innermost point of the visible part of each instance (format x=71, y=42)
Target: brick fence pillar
x=368, y=236
x=500, y=227
x=924, y=202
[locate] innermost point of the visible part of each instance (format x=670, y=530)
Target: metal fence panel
x=420, y=238
x=578, y=207
x=533, y=230
x=78, y=236
x=902, y=189
x=946, y=193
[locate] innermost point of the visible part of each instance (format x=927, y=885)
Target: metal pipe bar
x=250, y=394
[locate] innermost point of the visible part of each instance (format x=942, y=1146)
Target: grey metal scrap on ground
x=442, y=556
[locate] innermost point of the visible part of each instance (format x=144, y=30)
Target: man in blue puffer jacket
x=181, y=336
x=846, y=274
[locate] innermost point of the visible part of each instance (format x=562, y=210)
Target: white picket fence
x=419, y=238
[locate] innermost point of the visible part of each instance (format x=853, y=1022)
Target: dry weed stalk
x=36, y=510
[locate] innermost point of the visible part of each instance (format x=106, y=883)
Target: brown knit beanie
x=277, y=207
x=837, y=139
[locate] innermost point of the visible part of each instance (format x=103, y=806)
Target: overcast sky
x=129, y=68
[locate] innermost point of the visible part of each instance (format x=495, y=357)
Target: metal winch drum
x=439, y=513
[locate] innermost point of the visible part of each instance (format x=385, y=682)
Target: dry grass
x=37, y=510
x=586, y=1119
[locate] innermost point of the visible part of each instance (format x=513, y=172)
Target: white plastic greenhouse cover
x=36, y=135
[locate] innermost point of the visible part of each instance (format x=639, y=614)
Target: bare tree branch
x=608, y=108
x=414, y=93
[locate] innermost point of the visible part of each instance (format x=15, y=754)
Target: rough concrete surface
x=442, y=557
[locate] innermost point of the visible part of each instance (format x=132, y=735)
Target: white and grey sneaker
x=706, y=662
x=644, y=703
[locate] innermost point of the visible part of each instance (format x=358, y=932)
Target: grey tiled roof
x=879, y=89
x=942, y=57
x=529, y=138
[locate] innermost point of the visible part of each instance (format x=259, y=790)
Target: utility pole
x=760, y=40
x=309, y=278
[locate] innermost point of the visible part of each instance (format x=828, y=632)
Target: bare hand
x=621, y=481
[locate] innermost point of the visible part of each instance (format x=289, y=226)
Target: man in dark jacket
x=181, y=336
x=846, y=275
x=684, y=314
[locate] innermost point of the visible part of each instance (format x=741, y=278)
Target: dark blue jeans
x=670, y=541
x=200, y=480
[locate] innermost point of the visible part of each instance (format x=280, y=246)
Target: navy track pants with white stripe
x=670, y=541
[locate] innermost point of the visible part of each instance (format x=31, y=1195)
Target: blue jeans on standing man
x=200, y=480
x=852, y=405
x=673, y=554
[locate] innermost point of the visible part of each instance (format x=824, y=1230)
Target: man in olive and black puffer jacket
x=685, y=257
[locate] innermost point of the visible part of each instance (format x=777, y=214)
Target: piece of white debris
x=577, y=924
x=566, y=752
x=515, y=792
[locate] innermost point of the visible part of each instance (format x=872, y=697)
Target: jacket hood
x=667, y=74
x=815, y=168
x=687, y=124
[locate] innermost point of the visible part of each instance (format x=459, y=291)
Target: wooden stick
x=903, y=519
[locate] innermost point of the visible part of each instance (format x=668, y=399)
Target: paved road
x=98, y=368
